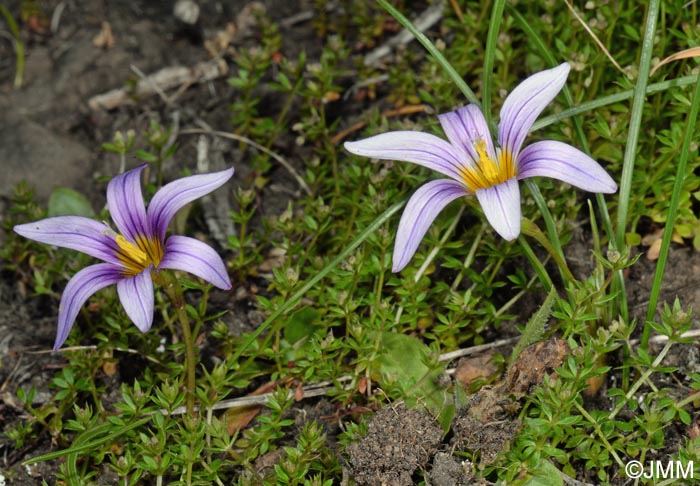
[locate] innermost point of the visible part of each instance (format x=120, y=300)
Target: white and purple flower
x=476, y=166
x=139, y=249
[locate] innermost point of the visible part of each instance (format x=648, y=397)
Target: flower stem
x=536, y=264
x=175, y=294
x=549, y=222
x=531, y=229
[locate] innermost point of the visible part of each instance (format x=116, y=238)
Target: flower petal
x=501, y=205
x=561, y=161
x=466, y=126
x=79, y=289
x=125, y=202
x=421, y=210
x=522, y=107
x=136, y=296
x=416, y=147
x=193, y=256
x=75, y=232
x=173, y=196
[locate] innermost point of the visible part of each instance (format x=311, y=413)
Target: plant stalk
x=174, y=291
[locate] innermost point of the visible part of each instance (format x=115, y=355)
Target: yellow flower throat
x=137, y=257
x=486, y=171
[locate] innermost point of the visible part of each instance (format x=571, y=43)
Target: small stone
x=186, y=11
x=46, y=160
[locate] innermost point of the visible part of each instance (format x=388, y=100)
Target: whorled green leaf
x=402, y=363
x=534, y=329
x=546, y=474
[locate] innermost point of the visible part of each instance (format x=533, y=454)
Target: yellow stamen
x=133, y=252
x=488, y=172
x=136, y=257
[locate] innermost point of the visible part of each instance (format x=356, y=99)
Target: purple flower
x=140, y=249
x=476, y=166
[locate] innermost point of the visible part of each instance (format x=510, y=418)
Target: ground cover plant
x=313, y=304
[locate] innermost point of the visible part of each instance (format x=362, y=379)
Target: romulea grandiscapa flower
x=477, y=166
x=139, y=249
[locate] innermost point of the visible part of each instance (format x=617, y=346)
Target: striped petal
x=173, y=196
x=421, y=210
x=125, y=202
x=465, y=127
x=416, y=147
x=74, y=232
x=79, y=289
x=565, y=163
x=136, y=296
x=501, y=205
x=522, y=107
x=193, y=256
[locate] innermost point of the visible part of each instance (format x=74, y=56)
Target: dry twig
x=406, y=110
x=423, y=22
x=246, y=140
x=595, y=37
x=159, y=82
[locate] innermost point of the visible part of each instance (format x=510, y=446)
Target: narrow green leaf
x=611, y=100
x=635, y=121
x=489, y=55
x=672, y=211
x=430, y=47
x=294, y=299
x=81, y=444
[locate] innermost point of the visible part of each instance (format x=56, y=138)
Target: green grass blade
x=430, y=47
x=536, y=264
x=294, y=299
x=635, y=122
x=612, y=99
x=672, y=211
x=81, y=444
x=532, y=230
x=490, y=54
x=549, y=222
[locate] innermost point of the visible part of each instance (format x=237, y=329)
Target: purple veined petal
x=74, y=232
x=173, y=196
x=193, y=256
x=522, y=107
x=561, y=161
x=79, y=289
x=416, y=147
x=421, y=210
x=136, y=296
x=466, y=126
x=501, y=205
x=125, y=202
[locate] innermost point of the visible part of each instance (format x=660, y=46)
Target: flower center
x=486, y=171
x=137, y=257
